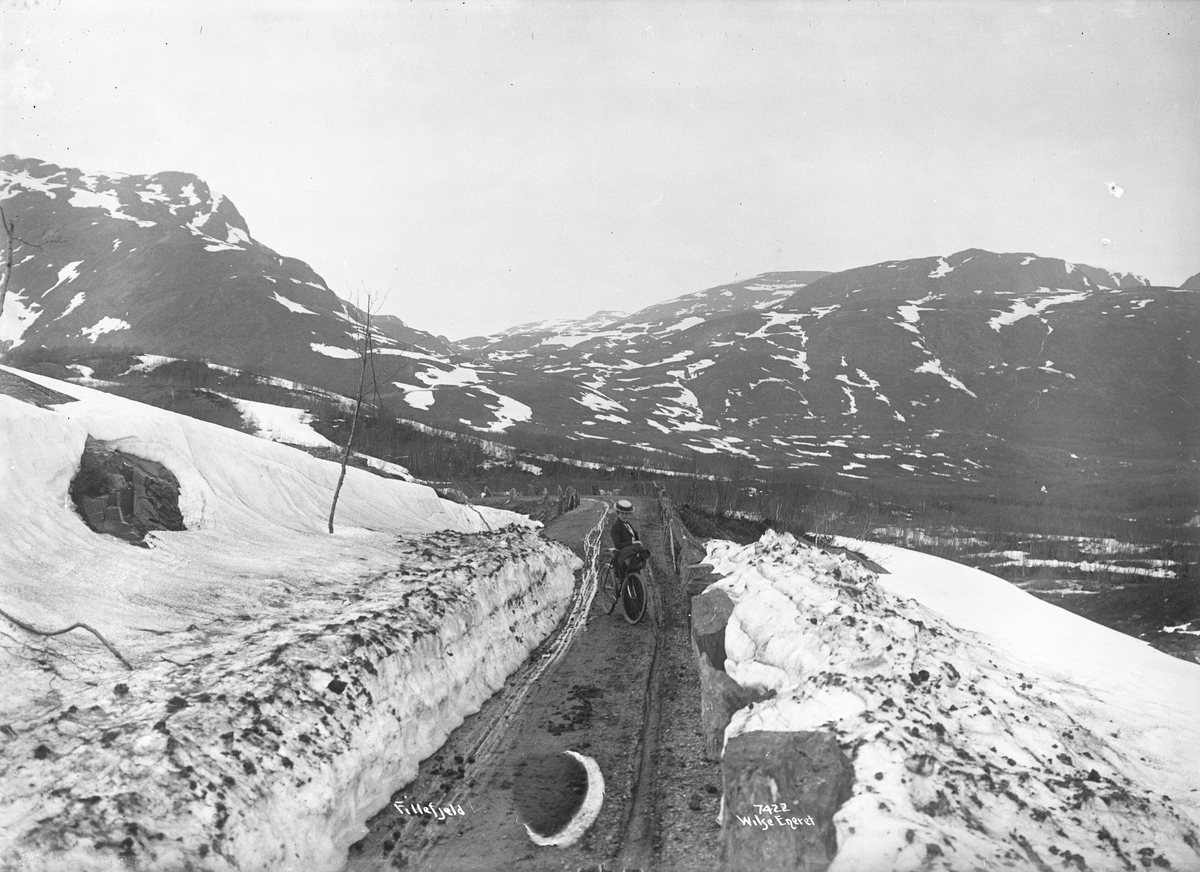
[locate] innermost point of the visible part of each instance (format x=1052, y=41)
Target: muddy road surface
x=624, y=695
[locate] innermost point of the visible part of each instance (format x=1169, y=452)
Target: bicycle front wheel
x=633, y=598
x=608, y=588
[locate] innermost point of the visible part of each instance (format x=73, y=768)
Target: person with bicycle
x=621, y=581
x=628, y=544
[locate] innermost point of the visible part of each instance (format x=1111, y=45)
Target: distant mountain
x=970, y=367
x=1192, y=284
x=676, y=314
x=161, y=264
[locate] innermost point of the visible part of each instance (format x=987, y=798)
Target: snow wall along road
x=284, y=681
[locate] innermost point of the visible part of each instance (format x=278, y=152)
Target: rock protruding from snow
x=123, y=495
x=720, y=695
x=781, y=791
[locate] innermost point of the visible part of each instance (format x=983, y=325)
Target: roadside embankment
x=985, y=730
x=277, y=680
x=757, y=768
x=977, y=726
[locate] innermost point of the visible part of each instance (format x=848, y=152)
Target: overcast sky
x=488, y=164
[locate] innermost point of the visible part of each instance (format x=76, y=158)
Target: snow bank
x=987, y=729
x=280, y=423
x=285, y=681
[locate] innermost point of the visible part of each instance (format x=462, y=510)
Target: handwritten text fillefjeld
x=437, y=812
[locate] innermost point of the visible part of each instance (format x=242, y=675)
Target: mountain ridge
x=200, y=287
x=970, y=367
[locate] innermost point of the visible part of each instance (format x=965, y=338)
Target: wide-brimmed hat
x=624, y=507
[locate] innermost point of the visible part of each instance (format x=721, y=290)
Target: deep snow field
x=284, y=682
x=987, y=728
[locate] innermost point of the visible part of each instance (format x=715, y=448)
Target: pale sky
x=488, y=164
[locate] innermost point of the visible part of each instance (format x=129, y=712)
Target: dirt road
x=625, y=695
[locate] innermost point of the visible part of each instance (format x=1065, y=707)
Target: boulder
x=123, y=495
x=710, y=614
x=454, y=495
x=569, y=501
x=781, y=792
x=720, y=695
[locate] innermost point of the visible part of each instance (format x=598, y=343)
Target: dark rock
x=710, y=613
x=807, y=772
x=569, y=501
x=454, y=495
x=720, y=697
x=123, y=495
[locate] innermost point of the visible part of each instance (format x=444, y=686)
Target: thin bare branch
x=76, y=626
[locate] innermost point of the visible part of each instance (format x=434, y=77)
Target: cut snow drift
x=987, y=729
x=284, y=681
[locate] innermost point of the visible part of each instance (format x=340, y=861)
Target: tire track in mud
x=488, y=736
x=478, y=746
x=599, y=686
x=639, y=836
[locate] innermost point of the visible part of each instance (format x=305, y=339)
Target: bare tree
x=368, y=383
x=11, y=240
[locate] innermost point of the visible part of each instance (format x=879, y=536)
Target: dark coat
x=623, y=534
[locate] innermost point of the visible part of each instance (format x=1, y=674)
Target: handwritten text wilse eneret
x=772, y=815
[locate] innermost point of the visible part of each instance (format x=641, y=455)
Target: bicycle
x=629, y=591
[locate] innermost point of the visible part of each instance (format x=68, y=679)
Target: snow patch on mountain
x=107, y=324
x=76, y=302
x=942, y=269
x=418, y=398
x=910, y=312
x=599, y=403
x=292, y=306
x=685, y=324
x=281, y=424
x=106, y=200
x=1022, y=308
x=934, y=367
x=68, y=273
x=23, y=179
x=507, y=411
x=333, y=351
x=16, y=318
x=777, y=319
x=149, y=362
x=798, y=359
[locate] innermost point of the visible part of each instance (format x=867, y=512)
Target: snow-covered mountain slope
x=987, y=728
x=957, y=367
x=667, y=317
x=961, y=368
x=161, y=264
x=283, y=680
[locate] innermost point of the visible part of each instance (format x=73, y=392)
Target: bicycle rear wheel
x=633, y=598
x=608, y=588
